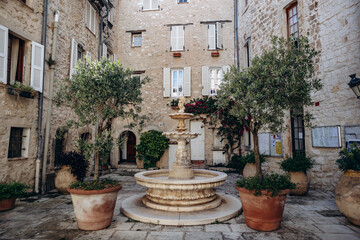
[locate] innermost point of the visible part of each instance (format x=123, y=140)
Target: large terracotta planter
x=263, y=213
x=94, y=209
x=347, y=196
x=249, y=170
x=63, y=179
x=302, y=183
x=7, y=204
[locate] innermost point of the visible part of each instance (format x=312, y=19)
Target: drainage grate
x=330, y=213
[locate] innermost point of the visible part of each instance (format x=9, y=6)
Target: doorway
x=127, y=150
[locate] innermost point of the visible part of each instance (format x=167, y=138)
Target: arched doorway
x=127, y=150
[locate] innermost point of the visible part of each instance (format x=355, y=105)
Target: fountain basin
x=181, y=195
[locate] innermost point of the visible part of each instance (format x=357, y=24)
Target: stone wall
x=334, y=31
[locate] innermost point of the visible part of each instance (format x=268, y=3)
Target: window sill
x=183, y=2
x=217, y=149
x=135, y=46
x=177, y=51
x=17, y=159
x=90, y=31
x=15, y=92
x=150, y=10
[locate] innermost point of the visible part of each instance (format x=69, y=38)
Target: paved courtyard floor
x=314, y=216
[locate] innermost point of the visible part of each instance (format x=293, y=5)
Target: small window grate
x=15, y=143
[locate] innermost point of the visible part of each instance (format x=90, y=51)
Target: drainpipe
x=236, y=34
x=48, y=113
x=41, y=102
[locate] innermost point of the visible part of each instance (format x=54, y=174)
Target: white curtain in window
x=14, y=59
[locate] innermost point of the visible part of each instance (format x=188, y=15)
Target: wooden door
x=130, y=147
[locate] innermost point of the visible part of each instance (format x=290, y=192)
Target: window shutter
x=225, y=69
x=146, y=4
x=173, y=43
x=88, y=15
x=211, y=36
x=88, y=56
x=93, y=14
x=73, y=60
x=219, y=36
x=115, y=57
x=167, y=82
x=181, y=42
x=104, y=51
x=4, y=35
x=154, y=4
x=37, y=64
x=187, y=81
x=205, y=80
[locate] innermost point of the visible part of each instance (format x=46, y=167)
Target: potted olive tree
x=296, y=167
x=9, y=192
x=99, y=92
x=348, y=188
x=279, y=80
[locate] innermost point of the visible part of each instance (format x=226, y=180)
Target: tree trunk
x=257, y=154
x=96, y=169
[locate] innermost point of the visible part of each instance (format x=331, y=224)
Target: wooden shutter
x=154, y=4
x=219, y=36
x=177, y=38
x=73, y=59
x=93, y=14
x=104, y=50
x=211, y=36
x=37, y=64
x=167, y=82
x=146, y=4
x=173, y=42
x=205, y=80
x=4, y=35
x=187, y=81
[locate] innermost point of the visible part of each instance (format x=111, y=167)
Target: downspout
x=48, y=113
x=41, y=102
x=236, y=34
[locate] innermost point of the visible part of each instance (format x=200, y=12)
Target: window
x=90, y=17
x=59, y=145
x=136, y=39
x=292, y=21
x=151, y=4
x=216, y=76
x=182, y=1
x=212, y=78
x=19, y=141
x=177, y=38
x=16, y=49
x=77, y=53
x=215, y=40
x=297, y=133
x=177, y=79
x=247, y=57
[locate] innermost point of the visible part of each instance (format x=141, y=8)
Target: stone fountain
x=181, y=195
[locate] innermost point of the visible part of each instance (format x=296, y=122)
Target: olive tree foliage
x=280, y=79
x=99, y=92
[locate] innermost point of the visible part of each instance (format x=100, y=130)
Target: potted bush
x=9, y=192
x=73, y=167
x=347, y=191
x=152, y=146
x=296, y=167
x=19, y=89
x=279, y=80
x=99, y=92
x=250, y=166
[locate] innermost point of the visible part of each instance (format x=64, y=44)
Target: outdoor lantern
x=354, y=84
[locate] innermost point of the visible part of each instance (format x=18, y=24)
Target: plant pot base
x=7, y=204
x=262, y=225
x=93, y=225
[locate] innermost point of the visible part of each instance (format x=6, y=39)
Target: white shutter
x=225, y=69
x=167, y=82
x=181, y=42
x=187, y=81
x=146, y=4
x=154, y=4
x=4, y=35
x=88, y=15
x=73, y=60
x=93, y=14
x=104, y=50
x=205, y=80
x=37, y=63
x=88, y=56
x=211, y=36
x=219, y=36
x=173, y=42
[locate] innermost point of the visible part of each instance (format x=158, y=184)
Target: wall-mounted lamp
x=354, y=84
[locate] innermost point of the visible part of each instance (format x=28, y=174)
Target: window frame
x=215, y=25
x=157, y=7
x=22, y=139
x=216, y=82
x=184, y=1
x=133, y=36
x=172, y=94
x=296, y=33
x=92, y=17
x=20, y=62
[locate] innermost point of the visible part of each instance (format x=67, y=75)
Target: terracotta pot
x=263, y=213
x=347, y=196
x=302, y=183
x=63, y=179
x=7, y=204
x=249, y=170
x=94, y=209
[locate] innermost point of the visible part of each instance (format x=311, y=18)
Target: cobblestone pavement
x=314, y=216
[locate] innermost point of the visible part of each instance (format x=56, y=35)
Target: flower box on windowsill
x=17, y=92
x=177, y=54
x=215, y=54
